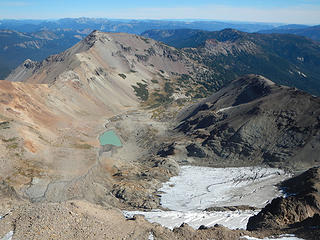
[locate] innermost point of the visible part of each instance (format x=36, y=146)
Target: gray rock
x=194, y=150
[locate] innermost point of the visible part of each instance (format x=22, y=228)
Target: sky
x=280, y=11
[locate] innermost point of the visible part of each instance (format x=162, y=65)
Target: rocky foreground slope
x=79, y=219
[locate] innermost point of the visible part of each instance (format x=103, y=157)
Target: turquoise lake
x=110, y=137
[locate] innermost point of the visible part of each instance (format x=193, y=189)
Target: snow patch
x=172, y=219
x=8, y=236
x=302, y=74
x=281, y=237
x=301, y=59
x=223, y=109
x=3, y=216
x=151, y=237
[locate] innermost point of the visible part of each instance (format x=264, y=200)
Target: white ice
x=281, y=237
x=151, y=237
x=224, y=109
x=8, y=236
x=171, y=219
x=197, y=188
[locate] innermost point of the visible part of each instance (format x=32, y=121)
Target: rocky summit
x=99, y=128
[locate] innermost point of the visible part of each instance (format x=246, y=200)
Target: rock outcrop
x=300, y=208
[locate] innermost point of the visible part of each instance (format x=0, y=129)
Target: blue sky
x=285, y=11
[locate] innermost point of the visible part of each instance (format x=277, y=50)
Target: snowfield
x=281, y=237
x=197, y=188
x=8, y=236
x=172, y=219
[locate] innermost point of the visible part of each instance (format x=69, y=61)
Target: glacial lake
x=110, y=137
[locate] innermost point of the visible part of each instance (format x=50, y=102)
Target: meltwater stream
x=198, y=188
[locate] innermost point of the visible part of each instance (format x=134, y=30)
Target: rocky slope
x=82, y=220
x=251, y=121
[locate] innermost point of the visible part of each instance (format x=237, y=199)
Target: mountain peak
x=29, y=63
x=255, y=79
x=230, y=34
x=95, y=33
x=93, y=37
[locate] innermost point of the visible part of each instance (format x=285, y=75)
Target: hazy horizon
x=272, y=11
x=149, y=19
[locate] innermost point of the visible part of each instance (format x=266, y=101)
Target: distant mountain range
x=301, y=30
x=285, y=59
x=128, y=26
x=140, y=26
x=37, y=39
